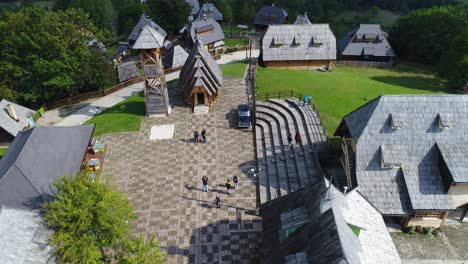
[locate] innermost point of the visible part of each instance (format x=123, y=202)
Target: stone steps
x=284, y=169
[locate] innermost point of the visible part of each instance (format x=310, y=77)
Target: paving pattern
x=163, y=180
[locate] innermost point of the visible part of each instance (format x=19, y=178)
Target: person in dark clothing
x=297, y=137
x=235, y=180
x=205, y=184
x=195, y=136
x=289, y=139
x=203, y=133
x=218, y=202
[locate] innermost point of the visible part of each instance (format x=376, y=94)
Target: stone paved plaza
x=163, y=180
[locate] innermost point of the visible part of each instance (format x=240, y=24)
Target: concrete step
x=263, y=183
x=314, y=124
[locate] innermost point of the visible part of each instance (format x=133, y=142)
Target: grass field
x=344, y=89
x=3, y=151
x=125, y=116
x=235, y=42
x=234, y=69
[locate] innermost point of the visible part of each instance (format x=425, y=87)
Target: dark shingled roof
x=322, y=217
x=36, y=158
x=270, y=15
x=145, y=21
x=127, y=71
x=195, y=5
x=199, y=26
x=209, y=10
x=352, y=44
x=416, y=143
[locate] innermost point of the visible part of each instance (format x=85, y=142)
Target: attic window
x=292, y=220
x=392, y=156
x=397, y=120
x=314, y=44
x=275, y=45
x=294, y=43
x=445, y=120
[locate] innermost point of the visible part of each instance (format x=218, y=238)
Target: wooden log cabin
x=200, y=78
x=300, y=46
x=210, y=34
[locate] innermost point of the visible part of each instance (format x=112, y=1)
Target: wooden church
x=200, y=78
x=149, y=43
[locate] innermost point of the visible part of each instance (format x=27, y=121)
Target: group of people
x=230, y=184
x=297, y=138
x=199, y=137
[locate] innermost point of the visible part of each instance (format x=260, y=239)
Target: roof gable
x=209, y=10
x=366, y=40
x=176, y=57
x=270, y=15
x=209, y=31
x=149, y=39
x=145, y=21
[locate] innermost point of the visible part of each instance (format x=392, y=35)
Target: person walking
x=205, y=184
x=228, y=185
x=297, y=137
x=290, y=140
x=195, y=136
x=203, y=133
x=236, y=181
x=218, y=202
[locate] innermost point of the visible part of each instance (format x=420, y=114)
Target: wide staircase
x=155, y=103
x=283, y=168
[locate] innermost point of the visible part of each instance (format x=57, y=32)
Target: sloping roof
x=175, y=58
x=200, y=69
x=209, y=10
x=417, y=185
x=270, y=15
x=326, y=237
x=375, y=44
x=9, y=124
x=455, y=155
x=36, y=158
x=149, y=39
x=195, y=5
x=299, y=42
x=24, y=239
x=209, y=30
x=145, y=21
x=127, y=70
x=302, y=19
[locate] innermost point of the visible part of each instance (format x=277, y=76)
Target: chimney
x=345, y=189
x=11, y=112
x=273, y=4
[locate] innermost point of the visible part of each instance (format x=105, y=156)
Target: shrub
x=427, y=230
x=409, y=230
x=436, y=232
x=419, y=229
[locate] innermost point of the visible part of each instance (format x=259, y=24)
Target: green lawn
x=234, y=69
x=235, y=42
x=3, y=151
x=125, y=116
x=344, y=89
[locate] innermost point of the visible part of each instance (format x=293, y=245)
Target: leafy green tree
x=92, y=222
x=171, y=15
x=45, y=56
x=453, y=65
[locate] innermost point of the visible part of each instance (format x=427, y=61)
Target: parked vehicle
x=244, y=116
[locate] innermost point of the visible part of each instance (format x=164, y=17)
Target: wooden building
x=149, y=43
x=200, y=78
x=210, y=32
x=302, y=46
x=13, y=119
x=270, y=15
x=408, y=155
x=209, y=10
x=144, y=21
x=365, y=43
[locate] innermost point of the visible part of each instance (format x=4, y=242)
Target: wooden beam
x=443, y=219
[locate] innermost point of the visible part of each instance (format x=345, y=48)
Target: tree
x=453, y=65
x=92, y=222
x=171, y=15
x=45, y=56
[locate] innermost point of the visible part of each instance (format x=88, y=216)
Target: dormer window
x=314, y=44
x=292, y=220
x=445, y=120
x=398, y=120
x=392, y=156
x=294, y=43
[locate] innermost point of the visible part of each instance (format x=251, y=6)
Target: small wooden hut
x=210, y=34
x=200, y=78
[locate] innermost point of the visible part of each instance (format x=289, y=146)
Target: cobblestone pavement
x=451, y=247
x=163, y=180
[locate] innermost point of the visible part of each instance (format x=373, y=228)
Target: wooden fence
x=81, y=97
x=365, y=64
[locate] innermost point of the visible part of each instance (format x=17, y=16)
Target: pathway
x=78, y=114
x=163, y=179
